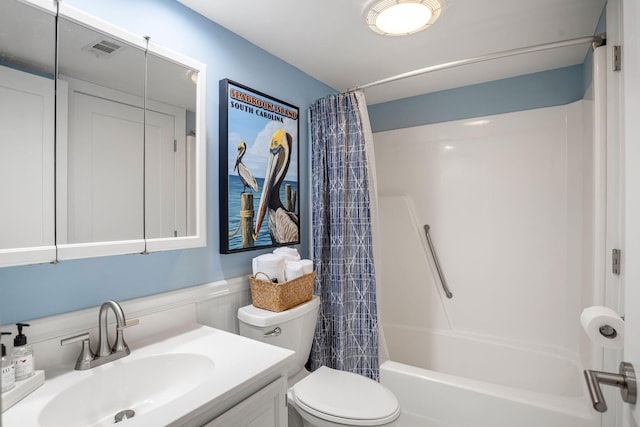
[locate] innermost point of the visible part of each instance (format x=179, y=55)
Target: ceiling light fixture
x=402, y=17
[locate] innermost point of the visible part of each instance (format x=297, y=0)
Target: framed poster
x=259, y=173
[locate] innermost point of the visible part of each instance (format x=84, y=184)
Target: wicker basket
x=281, y=296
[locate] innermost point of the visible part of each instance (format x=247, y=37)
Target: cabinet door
x=265, y=408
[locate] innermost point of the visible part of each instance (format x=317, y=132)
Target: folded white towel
x=293, y=269
x=307, y=266
x=270, y=264
x=288, y=253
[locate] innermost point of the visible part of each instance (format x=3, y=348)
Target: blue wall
x=545, y=89
x=30, y=292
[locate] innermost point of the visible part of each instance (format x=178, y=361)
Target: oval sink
x=139, y=385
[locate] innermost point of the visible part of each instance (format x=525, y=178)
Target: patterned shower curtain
x=346, y=335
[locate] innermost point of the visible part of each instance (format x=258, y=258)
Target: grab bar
x=443, y=282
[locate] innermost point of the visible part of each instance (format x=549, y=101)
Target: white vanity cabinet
x=265, y=408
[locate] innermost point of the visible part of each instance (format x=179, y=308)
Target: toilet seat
x=345, y=398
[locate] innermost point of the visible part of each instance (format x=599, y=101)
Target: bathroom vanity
x=194, y=376
x=179, y=372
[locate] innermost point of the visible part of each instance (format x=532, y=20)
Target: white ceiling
x=329, y=40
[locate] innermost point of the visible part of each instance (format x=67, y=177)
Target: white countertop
x=238, y=363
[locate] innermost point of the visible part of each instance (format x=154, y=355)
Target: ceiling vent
x=104, y=48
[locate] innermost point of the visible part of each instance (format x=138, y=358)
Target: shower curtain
x=344, y=192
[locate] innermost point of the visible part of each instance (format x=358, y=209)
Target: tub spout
x=625, y=380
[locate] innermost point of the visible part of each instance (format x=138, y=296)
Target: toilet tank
x=296, y=329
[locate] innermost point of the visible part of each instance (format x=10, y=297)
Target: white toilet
x=325, y=397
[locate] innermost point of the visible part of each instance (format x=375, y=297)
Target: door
x=125, y=169
x=631, y=206
x=105, y=136
x=165, y=186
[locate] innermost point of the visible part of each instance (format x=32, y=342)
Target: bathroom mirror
x=174, y=151
x=100, y=139
x=169, y=148
x=73, y=166
x=27, y=68
x=134, y=158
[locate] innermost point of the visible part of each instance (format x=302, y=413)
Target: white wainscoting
x=213, y=304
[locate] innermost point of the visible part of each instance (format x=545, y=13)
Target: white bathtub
x=461, y=380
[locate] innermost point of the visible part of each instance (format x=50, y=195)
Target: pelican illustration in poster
x=259, y=191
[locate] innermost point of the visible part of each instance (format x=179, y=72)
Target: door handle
x=625, y=380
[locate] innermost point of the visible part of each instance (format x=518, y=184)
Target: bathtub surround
x=347, y=331
x=510, y=201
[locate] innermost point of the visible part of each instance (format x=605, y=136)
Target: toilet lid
x=340, y=396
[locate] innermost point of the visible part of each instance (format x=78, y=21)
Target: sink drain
x=124, y=415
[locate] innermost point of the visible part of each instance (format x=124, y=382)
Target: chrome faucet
x=105, y=352
x=104, y=349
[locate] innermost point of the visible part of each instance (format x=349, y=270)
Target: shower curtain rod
x=595, y=40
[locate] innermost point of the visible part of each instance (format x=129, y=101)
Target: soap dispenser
x=22, y=355
x=8, y=379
